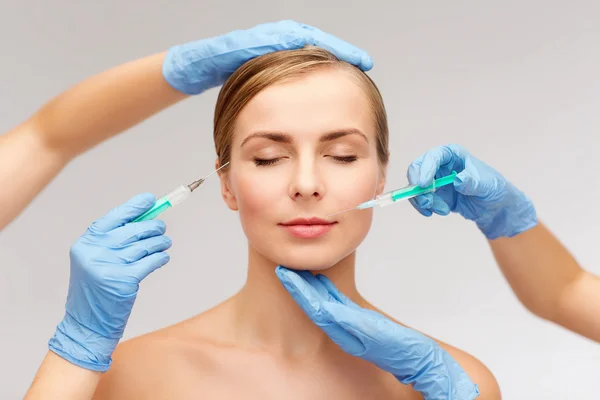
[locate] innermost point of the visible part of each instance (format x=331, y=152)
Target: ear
x=380, y=185
x=381, y=178
x=226, y=191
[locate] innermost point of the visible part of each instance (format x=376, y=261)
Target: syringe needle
x=194, y=185
x=341, y=212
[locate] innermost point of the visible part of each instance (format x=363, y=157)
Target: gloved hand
x=195, y=67
x=107, y=264
x=479, y=192
x=411, y=357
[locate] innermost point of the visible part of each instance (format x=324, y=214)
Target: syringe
x=173, y=198
x=404, y=193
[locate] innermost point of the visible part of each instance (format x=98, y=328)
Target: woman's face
x=303, y=150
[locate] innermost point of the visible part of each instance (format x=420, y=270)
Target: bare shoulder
x=134, y=366
x=151, y=365
x=477, y=371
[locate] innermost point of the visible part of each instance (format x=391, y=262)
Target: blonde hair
x=272, y=68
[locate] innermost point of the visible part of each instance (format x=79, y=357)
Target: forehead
x=320, y=101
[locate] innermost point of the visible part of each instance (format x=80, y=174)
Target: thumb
x=465, y=183
x=340, y=332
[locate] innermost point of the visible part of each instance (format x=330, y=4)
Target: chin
x=313, y=258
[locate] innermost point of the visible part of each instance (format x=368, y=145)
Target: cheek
x=254, y=196
x=353, y=187
x=349, y=190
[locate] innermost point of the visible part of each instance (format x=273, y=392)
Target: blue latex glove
x=479, y=192
x=107, y=264
x=413, y=358
x=195, y=67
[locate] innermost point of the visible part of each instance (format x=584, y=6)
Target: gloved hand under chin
x=413, y=358
x=195, y=67
x=479, y=192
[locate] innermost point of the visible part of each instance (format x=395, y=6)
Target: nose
x=307, y=182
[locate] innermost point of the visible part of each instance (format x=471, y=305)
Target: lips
x=308, y=228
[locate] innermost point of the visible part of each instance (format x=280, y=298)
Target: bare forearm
x=33, y=153
x=26, y=167
x=549, y=281
x=580, y=308
x=104, y=105
x=59, y=379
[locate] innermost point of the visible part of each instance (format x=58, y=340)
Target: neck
x=267, y=316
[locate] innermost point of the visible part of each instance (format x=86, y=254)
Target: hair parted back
x=277, y=67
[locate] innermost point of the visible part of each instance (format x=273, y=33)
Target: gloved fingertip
x=439, y=206
x=443, y=211
x=425, y=178
x=424, y=212
x=304, y=26
x=462, y=182
x=421, y=210
x=144, y=199
x=459, y=179
x=161, y=225
x=424, y=201
x=155, y=261
x=366, y=63
x=281, y=272
x=290, y=279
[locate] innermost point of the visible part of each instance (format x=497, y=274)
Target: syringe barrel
x=178, y=195
x=384, y=199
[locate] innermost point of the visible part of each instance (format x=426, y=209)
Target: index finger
x=124, y=213
x=436, y=158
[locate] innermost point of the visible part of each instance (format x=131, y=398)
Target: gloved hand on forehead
x=413, y=358
x=479, y=193
x=195, y=67
x=108, y=262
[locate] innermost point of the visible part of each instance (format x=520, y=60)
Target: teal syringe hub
x=413, y=191
x=164, y=203
x=158, y=208
x=407, y=192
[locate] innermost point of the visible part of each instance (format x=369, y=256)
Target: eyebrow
x=282, y=137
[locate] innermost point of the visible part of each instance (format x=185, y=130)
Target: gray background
x=516, y=82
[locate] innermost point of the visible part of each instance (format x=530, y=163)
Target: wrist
x=438, y=375
x=182, y=70
x=82, y=346
x=516, y=216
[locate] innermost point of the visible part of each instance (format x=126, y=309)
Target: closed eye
x=261, y=162
x=345, y=159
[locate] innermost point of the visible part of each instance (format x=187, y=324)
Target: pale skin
x=67, y=126
x=549, y=281
x=259, y=343
x=115, y=100
x=74, y=122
